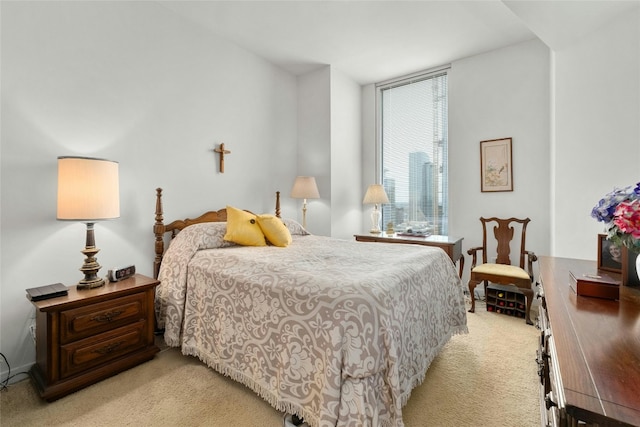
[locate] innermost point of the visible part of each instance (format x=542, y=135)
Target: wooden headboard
x=159, y=227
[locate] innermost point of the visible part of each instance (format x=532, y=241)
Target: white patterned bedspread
x=338, y=332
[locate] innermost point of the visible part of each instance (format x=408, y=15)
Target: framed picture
x=609, y=255
x=496, y=173
x=629, y=273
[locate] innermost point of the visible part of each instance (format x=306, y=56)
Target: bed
x=337, y=332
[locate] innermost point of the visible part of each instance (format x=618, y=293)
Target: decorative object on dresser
x=88, y=191
x=609, y=255
x=305, y=187
x=589, y=354
x=89, y=335
x=619, y=210
x=496, y=172
x=595, y=283
x=451, y=245
x=390, y=229
x=501, y=271
x=630, y=267
x=375, y=196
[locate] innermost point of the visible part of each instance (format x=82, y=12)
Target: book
x=414, y=233
x=47, y=291
x=597, y=284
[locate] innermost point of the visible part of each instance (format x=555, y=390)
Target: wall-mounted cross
x=222, y=152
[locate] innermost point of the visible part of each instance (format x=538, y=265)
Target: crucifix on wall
x=220, y=150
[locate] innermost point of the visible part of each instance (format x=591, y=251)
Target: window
x=413, y=135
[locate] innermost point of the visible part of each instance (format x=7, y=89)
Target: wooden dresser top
x=597, y=343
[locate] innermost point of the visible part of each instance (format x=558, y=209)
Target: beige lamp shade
x=304, y=187
x=88, y=189
x=375, y=195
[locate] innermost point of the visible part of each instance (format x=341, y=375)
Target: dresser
x=91, y=334
x=451, y=245
x=589, y=355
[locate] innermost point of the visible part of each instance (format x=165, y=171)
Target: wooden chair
x=501, y=271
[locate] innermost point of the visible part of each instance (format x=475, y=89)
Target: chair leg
x=472, y=288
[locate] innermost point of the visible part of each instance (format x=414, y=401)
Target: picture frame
x=610, y=256
x=629, y=273
x=496, y=171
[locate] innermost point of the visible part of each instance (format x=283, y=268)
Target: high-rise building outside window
x=413, y=138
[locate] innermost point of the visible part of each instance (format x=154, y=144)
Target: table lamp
x=88, y=191
x=375, y=195
x=304, y=187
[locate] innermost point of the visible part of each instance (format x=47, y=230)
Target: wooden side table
x=91, y=334
x=451, y=245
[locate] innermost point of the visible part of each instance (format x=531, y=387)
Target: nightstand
x=91, y=334
x=451, y=245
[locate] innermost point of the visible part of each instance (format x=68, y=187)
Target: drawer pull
x=109, y=348
x=107, y=317
x=548, y=402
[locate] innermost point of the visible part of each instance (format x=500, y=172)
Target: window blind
x=414, y=145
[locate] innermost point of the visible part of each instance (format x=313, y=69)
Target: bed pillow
x=274, y=230
x=243, y=228
x=294, y=227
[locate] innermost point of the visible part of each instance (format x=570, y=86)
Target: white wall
x=500, y=94
x=314, y=146
x=132, y=82
x=346, y=194
x=370, y=174
x=597, y=129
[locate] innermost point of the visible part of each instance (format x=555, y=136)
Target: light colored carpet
x=488, y=377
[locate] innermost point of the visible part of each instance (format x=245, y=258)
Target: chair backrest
x=504, y=233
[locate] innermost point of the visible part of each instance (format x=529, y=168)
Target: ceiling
x=372, y=41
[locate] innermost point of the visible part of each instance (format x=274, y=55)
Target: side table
x=91, y=334
x=451, y=245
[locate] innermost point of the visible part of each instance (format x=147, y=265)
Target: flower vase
x=631, y=268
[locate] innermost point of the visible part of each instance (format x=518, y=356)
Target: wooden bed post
x=278, y=204
x=158, y=230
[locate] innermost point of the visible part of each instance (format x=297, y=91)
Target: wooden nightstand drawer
x=96, y=318
x=84, y=354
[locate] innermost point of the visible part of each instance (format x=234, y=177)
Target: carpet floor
x=486, y=377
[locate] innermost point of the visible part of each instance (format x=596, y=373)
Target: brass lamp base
x=90, y=267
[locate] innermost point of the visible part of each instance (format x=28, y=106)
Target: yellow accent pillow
x=243, y=228
x=274, y=230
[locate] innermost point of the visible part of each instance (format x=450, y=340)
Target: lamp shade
x=88, y=189
x=304, y=187
x=375, y=195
